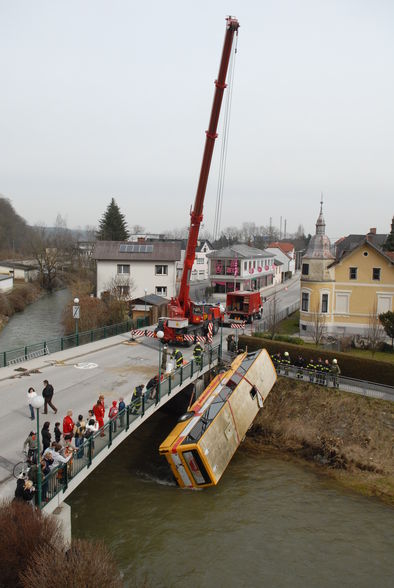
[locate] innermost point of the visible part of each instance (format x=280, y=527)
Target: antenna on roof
x=321, y=202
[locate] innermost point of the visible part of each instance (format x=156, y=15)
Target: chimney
x=372, y=231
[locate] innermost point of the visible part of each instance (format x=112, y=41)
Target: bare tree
x=319, y=328
x=120, y=287
x=375, y=333
x=46, y=256
x=272, y=317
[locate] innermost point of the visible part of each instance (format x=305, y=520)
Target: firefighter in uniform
x=335, y=372
x=136, y=399
x=326, y=372
x=311, y=370
x=178, y=358
x=299, y=363
x=197, y=354
x=286, y=362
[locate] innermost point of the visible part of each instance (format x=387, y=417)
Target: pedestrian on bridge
x=46, y=436
x=99, y=412
x=31, y=393
x=68, y=425
x=113, y=414
x=121, y=407
x=47, y=394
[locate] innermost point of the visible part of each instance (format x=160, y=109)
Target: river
x=268, y=523
x=40, y=321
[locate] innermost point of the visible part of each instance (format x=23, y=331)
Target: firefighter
x=276, y=360
x=335, y=372
x=229, y=339
x=319, y=371
x=311, y=370
x=197, y=354
x=136, y=399
x=326, y=372
x=178, y=358
x=286, y=362
x=299, y=363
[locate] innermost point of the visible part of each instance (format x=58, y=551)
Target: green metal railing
x=34, y=350
x=57, y=480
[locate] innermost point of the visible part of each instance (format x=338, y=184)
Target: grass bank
x=347, y=436
x=17, y=299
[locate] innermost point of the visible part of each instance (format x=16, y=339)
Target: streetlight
x=38, y=402
x=145, y=307
x=76, y=309
x=160, y=336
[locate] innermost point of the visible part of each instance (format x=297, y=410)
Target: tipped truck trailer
x=244, y=306
x=201, y=445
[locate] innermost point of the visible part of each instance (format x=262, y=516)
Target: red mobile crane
x=185, y=316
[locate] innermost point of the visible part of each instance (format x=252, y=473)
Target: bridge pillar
x=62, y=515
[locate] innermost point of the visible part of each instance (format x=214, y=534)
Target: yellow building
x=340, y=293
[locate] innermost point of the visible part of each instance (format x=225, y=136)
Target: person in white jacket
x=31, y=393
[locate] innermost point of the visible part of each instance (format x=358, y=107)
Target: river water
x=268, y=523
x=40, y=321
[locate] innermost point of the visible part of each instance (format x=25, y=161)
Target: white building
x=136, y=268
x=240, y=267
x=6, y=283
x=200, y=269
x=20, y=270
x=285, y=253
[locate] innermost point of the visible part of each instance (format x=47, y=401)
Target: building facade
x=285, y=253
x=349, y=289
x=136, y=269
x=200, y=269
x=240, y=267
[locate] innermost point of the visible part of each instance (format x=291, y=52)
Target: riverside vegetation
x=349, y=437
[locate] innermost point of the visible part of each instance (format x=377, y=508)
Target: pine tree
x=389, y=243
x=113, y=226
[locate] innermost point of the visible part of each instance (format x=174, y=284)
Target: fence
x=274, y=317
x=57, y=480
x=21, y=354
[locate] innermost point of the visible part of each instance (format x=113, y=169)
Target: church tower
x=317, y=279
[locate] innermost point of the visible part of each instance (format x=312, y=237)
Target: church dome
x=319, y=246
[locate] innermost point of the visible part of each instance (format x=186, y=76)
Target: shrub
x=360, y=368
x=24, y=532
x=17, y=301
x=85, y=564
x=5, y=306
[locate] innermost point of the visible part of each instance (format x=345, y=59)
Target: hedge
x=359, y=368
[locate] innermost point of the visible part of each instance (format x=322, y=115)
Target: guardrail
x=31, y=351
x=58, y=479
x=327, y=379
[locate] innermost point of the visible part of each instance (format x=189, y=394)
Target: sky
x=102, y=99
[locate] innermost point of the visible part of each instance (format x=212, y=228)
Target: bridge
x=60, y=483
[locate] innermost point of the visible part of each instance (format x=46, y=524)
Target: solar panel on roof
x=135, y=248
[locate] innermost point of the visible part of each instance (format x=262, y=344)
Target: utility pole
x=284, y=235
x=280, y=230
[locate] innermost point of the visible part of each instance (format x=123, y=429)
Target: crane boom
x=180, y=305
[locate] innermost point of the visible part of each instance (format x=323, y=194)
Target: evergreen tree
x=389, y=243
x=113, y=226
x=387, y=320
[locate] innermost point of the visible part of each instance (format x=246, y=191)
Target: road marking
x=85, y=365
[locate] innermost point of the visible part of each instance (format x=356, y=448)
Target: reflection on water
x=268, y=523
x=41, y=321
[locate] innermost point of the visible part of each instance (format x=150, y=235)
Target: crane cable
x=223, y=154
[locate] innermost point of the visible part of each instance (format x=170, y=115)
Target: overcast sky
x=111, y=98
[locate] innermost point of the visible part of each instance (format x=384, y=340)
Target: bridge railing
x=58, y=479
x=34, y=350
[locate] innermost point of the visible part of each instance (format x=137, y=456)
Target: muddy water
x=40, y=321
x=268, y=523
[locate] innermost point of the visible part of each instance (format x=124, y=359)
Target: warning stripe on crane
x=238, y=325
x=141, y=333
x=192, y=338
x=210, y=332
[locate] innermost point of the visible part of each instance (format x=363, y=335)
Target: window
x=324, y=303
x=123, y=269
x=123, y=291
x=384, y=303
x=305, y=269
x=161, y=270
x=245, y=265
x=342, y=303
x=201, y=273
x=352, y=273
x=376, y=273
x=305, y=301
x=161, y=290
x=200, y=260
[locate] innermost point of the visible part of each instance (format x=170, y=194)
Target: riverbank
x=348, y=437
x=22, y=295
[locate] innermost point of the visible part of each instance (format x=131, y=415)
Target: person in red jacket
x=113, y=415
x=99, y=412
x=68, y=425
